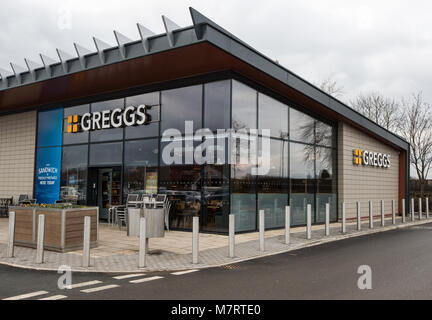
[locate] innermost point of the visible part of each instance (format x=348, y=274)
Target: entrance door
x=104, y=189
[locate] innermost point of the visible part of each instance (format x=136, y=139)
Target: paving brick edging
x=276, y=240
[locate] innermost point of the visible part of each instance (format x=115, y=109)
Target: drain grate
x=231, y=267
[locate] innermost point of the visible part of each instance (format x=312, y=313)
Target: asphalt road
x=400, y=260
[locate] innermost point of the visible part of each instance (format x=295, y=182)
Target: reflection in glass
x=180, y=105
x=324, y=134
x=244, y=106
x=107, y=134
x=302, y=127
x=106, y=153
x=302, y=187
x=141, y=161
x=273, y=187
x=325, y=183
x=151, y=100
x=74, y=174
x=217, y=105
x=273, y=115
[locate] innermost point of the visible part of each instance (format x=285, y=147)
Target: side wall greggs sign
x=117, y=118
x=370, y=158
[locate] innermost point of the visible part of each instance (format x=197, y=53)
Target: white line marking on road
x=27, y=295
x=127, y=276
x=57, y=297
x=83, y=284
x=145, y=279
x=179, y=273
x=110, y=286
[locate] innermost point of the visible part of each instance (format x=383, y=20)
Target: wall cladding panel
x=364, y=183
x=17, y=154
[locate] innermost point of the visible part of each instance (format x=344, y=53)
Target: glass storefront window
x=141, y=167
x=182, y=184
x=302, y=127
x=78, y=137
x=324, y=134
x=217, y=105
x=74, y=174
x=325, y=183
x=102, y=154
x=244, y=106
x=107, y=134
x=273, y=115
x=180, y=105
x=273, y=186
x=302, y=178
x=151, y=100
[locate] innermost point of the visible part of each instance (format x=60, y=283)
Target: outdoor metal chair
x=121, y=216
x=167, y=208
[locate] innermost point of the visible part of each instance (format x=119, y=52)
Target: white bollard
x=309, y=222
x=261, y=230
x=11, y=238
x=382, y=214
x=327, y=219
x=343, y=217
x=142, y=243
x=403, y=211
x=287, y=224
x=412, y=210
x=427, y=208
x=371, y=222
x=195, y=239
x=40, y=239
x=358, y=216
x=393, y=211
x=231, y=232
x=420, y=209
x=86, y=242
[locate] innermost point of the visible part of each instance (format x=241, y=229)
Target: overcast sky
x=365, y=45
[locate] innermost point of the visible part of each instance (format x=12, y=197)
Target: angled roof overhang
x=200, y=49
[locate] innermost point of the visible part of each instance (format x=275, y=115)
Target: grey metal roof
x=203, y=29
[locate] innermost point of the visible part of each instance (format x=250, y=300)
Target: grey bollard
x=343, y=217
x=142, y=243
x=287, y=224
x=195, y=239
x=382, y=214
x=393, y=212
x=40, y=239
x=231, y=232
x=11, y=238
x=403, y=211
x=309, y=222
x=327, y=219
x=412, y=210
x=86, y=243
x=358, y=216
x=371, y=222
x=420, y=209
x=427, y=208
x=261, y=230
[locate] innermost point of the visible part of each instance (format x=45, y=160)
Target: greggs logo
x=117, y=118
x=369, y=158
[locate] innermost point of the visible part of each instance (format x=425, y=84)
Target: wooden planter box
x=64, y=228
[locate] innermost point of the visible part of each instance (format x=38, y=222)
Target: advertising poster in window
x=47, y=179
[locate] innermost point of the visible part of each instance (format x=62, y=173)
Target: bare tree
x=416, y=128
x=331, y=87
x=382, y=110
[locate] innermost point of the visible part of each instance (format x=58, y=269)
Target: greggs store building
x=157, y=116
